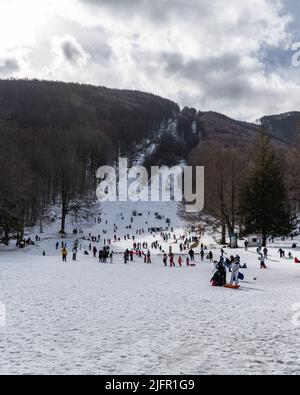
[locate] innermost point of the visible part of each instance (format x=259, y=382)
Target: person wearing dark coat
x=192, y=255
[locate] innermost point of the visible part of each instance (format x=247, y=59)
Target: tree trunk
x=63, y=221
x=6, y=235
x=223, y=216
x=20, y=232
x=223, y=240
x=41, y=227
x=64, y=212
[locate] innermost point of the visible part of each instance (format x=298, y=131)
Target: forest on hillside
x=55, y=135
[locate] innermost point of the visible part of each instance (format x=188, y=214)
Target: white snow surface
x=93, y=318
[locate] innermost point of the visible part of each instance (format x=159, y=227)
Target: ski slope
x=93, y=318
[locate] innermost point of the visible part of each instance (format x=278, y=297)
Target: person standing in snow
x=180, y=260
x=64, y=254
x=74, y=252
x=262, y=261
x=171, y=256
x=222, y=270
x=187, y=261
x=202, y=253
x=95, y=252
x=235, y=270
x=192, y=254
x=266, y=253
x=165, y=259
x=111, y=257
x=281, y=253
x=149, y=257
x=246, y=244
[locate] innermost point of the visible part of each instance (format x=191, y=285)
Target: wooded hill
x=55, y=135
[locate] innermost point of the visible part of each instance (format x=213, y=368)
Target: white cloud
x=211, y=55
x=68, y=49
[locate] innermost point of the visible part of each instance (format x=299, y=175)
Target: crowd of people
x=90, y=244
x=100, y=247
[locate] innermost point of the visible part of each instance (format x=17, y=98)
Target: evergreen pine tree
x=264, y=205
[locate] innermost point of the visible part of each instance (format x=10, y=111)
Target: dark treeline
x=54, y=136
x=252, y=188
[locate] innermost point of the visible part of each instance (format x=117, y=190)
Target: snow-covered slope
x=90, y=317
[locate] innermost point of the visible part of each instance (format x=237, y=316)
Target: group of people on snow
x=233, y=265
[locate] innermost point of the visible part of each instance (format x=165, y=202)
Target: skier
x=64, y=254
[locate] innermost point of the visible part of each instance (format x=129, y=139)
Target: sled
x=232, y=286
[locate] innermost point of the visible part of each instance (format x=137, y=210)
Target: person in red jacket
x=171, y=256
x=180, y=260
x=187, y=261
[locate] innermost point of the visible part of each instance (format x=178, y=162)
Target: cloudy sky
x=230, y=56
